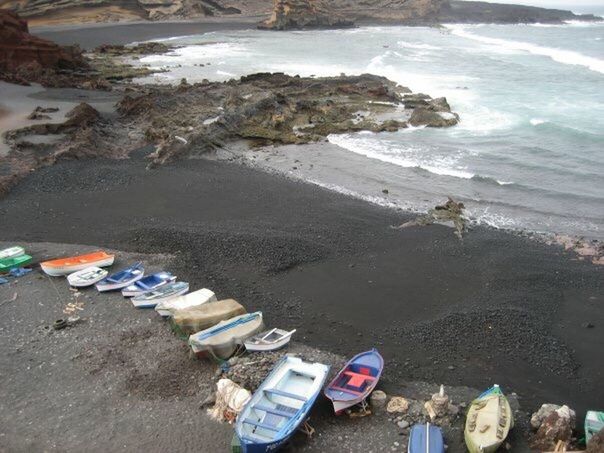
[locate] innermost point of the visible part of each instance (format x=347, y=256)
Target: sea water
x=529, y=150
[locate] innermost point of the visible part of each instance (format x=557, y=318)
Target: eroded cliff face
x=391, y=11
x=293, y=14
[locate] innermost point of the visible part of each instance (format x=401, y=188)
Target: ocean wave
x=489, y=180
x=416, y=45
x=567, y=57
x=537, y=121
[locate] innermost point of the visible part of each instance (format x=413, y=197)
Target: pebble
x=403, y=424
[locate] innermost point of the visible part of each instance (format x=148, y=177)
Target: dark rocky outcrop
x=297, y=14
x=20, y=50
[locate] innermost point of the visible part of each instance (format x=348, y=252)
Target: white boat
x=122, y=278
x=148, y=283
x=222, y=340
x=161, y=294
x=280, y=405
x=87, y=277
x=11, y=252
x=269, y=341
x=194, y=299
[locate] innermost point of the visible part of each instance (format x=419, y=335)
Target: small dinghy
x=269, y=341
x=7, y=264
x=166, y=292
x=194, y=299
x=353, y=384
x=148, y=283
x=11, y=252
x=66, y=266
x=86, y=277
x=426, y=439
x=187, y=321
x=280, y=405
x=122, y=278
x=222, y=340
x=488, y=422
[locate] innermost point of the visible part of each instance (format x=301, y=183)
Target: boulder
x=398, y=404
x=557, y=426
x=422, y=116
x=297, y=14
x=596, y=443
x=545, y=410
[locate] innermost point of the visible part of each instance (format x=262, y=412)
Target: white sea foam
x=559, y=55
x=416, y=45
x=537, y=121
x=229, y=74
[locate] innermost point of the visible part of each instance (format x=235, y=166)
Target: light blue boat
x=148, y=283
x=122, y=278
x=426, y=439
x=281, y=403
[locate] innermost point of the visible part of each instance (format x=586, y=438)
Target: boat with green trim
x=7, y=264
x=488, y=422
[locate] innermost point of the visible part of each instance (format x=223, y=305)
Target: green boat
x=7, y=264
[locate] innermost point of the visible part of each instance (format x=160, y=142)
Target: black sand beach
x=495, y=308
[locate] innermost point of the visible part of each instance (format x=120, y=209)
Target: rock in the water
x=557, y=426
x=424, y=117
x=296, y=14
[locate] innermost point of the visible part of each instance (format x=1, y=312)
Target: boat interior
x=355, y=379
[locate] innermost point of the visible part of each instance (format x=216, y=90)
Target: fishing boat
x=187, y=321
x=66, y=266
x=7, y=264
x=11, y=252
x=281, y=403
x=355, y=382
x=148, y=283
x=269, y=341
x=488, y=422
x=122, y=278
x=222, y=340
x=152, y=298
x=426, y=439
x=87, y=277
x=194, y=299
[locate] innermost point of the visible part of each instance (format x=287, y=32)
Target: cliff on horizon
x=283, y=14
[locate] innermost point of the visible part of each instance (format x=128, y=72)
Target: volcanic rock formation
x=293, y=14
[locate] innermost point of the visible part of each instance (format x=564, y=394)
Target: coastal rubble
x=553, y=424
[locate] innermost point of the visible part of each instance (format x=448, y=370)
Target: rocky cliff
x=292, y=14
x=19, y=49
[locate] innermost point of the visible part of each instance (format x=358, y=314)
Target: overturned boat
x=488, y=422
x=194, y=299
x=426, y=439
x=11, y=252
x=269, y=341
x=69, y=265
x=166, y=292
x=148, y=283
x=87, y=277
x=355, y=382
x=280, y=405
x=122, y=278
x=222, y=340
x=190, y=320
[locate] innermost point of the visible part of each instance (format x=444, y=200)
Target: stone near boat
x=556, y=424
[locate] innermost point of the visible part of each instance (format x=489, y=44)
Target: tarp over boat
x=200, y=317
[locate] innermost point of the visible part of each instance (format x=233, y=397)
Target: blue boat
x=281, y=403
x=353, y=384
x=122, y=278
x=426, y=439
x=148, y=283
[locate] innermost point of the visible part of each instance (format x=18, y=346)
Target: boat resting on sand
x=222, y=340
x=7, y=264
x=269, y=341
x=190, y=320
x=148, y=283
x=66, y=266
x=355, y=382
x=86, y=277
x=488, y=422
x=426, y=439
x=11, y=252
x=122, y=278
x=152, y=298
x=280, y=405
x=194, y=299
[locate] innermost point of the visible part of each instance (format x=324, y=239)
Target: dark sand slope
x=497, y=308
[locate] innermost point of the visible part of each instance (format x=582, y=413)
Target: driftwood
x=451, y=211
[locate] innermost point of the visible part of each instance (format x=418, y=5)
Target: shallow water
x=529, y=151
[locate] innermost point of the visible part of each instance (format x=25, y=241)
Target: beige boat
x=222, y=340
x=488, y=422
x=176, y=304
x=188, y=321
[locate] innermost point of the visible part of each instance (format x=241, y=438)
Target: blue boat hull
x=426, y=439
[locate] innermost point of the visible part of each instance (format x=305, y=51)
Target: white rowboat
x=11, y=252
x=87, y=277
x=269, y=341
x=161, y=294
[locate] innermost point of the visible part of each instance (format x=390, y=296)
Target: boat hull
x=194, y=299
x=103, y=287
x=77, y=282
x=143, y=301
x=492, y=411
x=426, y=439
x=160, y=279
x=11, y=252
x=66, y=266
x=7, y=264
